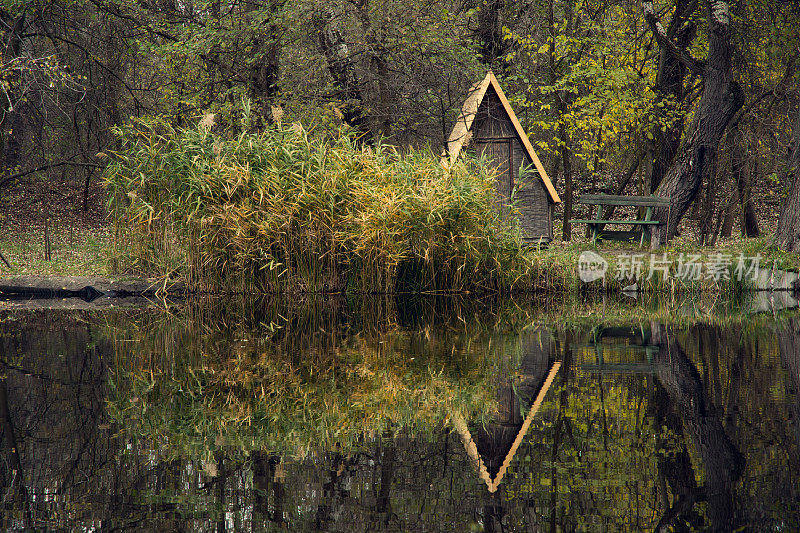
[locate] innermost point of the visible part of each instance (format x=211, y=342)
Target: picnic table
x=596, y=225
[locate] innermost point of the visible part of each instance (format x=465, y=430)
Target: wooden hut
x=488, y=126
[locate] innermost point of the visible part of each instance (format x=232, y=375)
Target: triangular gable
x=461, y=131
x=472, y=449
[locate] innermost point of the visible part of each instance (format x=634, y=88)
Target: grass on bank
x=73, y=252
x=734, y=246
x=82, y=252
x=730, y=267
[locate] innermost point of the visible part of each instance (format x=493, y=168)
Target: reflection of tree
x=562, y=425
x=674, y=466
x=789, y=349
x=76, y=472
x=335, y=470
x=268, y=477
x=722, y=462
x=589, y=460
x=51, y=411
x=493, y=511
x=788, y=335
x=388, y=452
x=14, y=494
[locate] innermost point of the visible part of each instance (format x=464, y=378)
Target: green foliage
x=282, y=211
x=603, y=76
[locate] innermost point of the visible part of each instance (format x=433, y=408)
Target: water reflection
x=395, y=415
x=494, y=444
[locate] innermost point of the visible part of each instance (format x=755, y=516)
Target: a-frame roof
x=472, y=449
x=461, y=131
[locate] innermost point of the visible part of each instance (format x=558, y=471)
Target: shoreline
x=85, y=287
x=90, y=288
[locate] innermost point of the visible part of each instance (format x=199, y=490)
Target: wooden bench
x=596, y=225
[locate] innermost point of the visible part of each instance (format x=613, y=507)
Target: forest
x=695, y=100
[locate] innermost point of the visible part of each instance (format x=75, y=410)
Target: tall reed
x=282, y=211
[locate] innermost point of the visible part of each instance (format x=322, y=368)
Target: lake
x=382, y=413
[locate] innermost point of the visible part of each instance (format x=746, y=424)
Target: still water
x=401, y=414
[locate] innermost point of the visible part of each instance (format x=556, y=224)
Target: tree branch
x=92, y=57
x=18, y=175
x=668, y=44
x=680, y=507
x=778, y=91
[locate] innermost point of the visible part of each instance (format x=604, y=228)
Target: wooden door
x=498, y=152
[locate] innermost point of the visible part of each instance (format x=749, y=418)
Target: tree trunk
x=708, y=208
x=379, y=66
x=696, y=158
x=730, y=214
x=623, y=182
x=749, y=219
x=566, y=233
x=561, y=105
x=787, y=235
x=739, y=149
x=264, y=69
x=669, y=85
x=490, y=31
x=340, y=64
x=12, y=124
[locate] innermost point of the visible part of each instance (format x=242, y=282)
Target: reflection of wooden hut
x=493, y=446
x=488, y=125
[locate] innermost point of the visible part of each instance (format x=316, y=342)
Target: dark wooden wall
x=494, y=135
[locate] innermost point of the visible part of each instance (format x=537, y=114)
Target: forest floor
x=34, y=212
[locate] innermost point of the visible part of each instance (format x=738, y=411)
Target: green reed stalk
x=281, y=211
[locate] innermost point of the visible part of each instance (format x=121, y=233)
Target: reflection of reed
x=472, y=449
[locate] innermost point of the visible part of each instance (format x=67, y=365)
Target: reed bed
x=281, y=211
